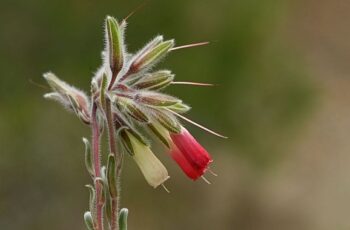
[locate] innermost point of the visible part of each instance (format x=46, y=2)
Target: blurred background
x=283, y=99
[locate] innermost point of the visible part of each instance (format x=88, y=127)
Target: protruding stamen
x=198, y=125
x=165, y=188
x=191, y=83
x=206, y=180
x=189, y=46
x=211, y=172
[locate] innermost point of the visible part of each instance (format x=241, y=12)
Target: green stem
x=97, y=167
x=118, y=158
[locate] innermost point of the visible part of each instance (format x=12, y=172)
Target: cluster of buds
x=127, y=98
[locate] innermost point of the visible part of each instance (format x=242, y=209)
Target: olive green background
x=282, y=97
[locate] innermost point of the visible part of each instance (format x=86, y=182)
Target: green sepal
x=108, y=210
x=168, y=121
x=159, y=135
x=125, y=140
x=154, y=55
x=111, y=176
x=179, y=107
x=156, y=99
x=155, y=81
x=138, y=136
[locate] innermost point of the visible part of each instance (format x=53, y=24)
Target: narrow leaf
x=111, y=176
x=92, y=201
x=88, y=157
x=123, y=219
x=88, y=221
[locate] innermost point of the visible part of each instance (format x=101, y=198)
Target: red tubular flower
x=189, y=154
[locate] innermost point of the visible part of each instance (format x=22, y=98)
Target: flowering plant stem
x=126, y=98
x=119, y=159
x=97, y=167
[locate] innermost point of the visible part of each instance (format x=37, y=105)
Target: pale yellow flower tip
x=153, y=170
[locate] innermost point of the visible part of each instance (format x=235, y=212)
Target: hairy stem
x=118, y=157
x=97, y=167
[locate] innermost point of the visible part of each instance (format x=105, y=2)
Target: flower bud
x=115, y=46
x=192, y=158
x=70, y=97
x=153, y=170
x=155, y=81
x=151, y=54
x=189, y=154
x=156, y=99
x=149, y=46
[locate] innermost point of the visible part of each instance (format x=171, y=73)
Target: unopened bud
x=151, y=55
x=155, y=81
x=115, y=45
x=70, y=97
x=156, y=99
